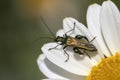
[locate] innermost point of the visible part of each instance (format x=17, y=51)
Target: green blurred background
x=21, y=29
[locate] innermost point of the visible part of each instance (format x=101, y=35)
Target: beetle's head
x=59, y=39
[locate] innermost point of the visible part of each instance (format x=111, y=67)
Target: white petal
x=76, y=64
x=54, y=72
x=93, y=21
x=80, y=29
x=60, y=32
x=93, y=15
x=53, y=79
x=110, y=23
x=43, y=66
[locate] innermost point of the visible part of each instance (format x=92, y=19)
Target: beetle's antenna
x=45, y=38
x=42, y=38
x=47, y=26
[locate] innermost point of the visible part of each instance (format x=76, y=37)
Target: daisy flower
x=103, y=22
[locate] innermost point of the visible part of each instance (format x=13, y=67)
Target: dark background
x=21, y=28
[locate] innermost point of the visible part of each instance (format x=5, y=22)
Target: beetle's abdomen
x=80, y=44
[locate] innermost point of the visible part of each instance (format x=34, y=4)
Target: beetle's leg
x=92, y=39
x=65, y=53
x=81, y=37
x=71, y=29
x=80, y=51
x=105, y=56
x=83, y=51
x=54, y=47
x=77, y=50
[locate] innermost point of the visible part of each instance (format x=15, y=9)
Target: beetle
x=80, y=43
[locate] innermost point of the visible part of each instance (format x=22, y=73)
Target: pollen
x=107, y=69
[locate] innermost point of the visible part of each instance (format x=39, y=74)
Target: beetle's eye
x=59, y=39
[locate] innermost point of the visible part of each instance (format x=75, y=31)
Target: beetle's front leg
x=65, y=53
x=53, y=47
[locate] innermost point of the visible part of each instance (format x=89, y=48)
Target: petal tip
x=68, y=18
x=108, y=2
x=40, y=58
x=94, y=4
x=44, y=47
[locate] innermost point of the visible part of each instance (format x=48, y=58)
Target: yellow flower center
x=107, y=69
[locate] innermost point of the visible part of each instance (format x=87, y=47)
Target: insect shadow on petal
x=79, y=43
